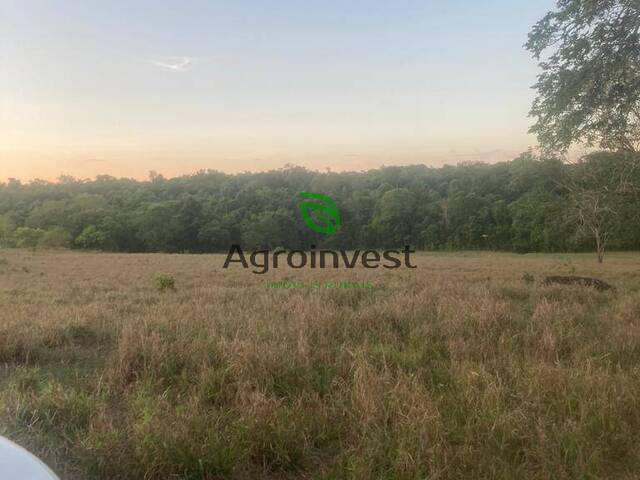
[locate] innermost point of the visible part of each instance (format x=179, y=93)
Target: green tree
x=395, y=217
x=27, y=237
x=268, y=229
x=57, y=237
x=7, y=226
x=214, y=236
x=91, y=238
x=159, y=226
x=589, y=88
x=597, y=190
x=539, y=223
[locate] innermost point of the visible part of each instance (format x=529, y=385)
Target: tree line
x=529, y=204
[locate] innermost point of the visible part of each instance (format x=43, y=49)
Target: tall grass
x=458, y=369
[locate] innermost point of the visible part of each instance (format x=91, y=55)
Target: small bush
x=164, y=282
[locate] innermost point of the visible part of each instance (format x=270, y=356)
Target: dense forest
x=523, y=205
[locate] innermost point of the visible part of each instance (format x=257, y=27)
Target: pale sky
x=125, y=87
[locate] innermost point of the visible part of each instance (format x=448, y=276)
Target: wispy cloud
x=172, y=64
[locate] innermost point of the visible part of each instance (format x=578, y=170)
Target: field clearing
x=456, y=369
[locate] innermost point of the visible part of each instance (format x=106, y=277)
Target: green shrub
x=164, y=282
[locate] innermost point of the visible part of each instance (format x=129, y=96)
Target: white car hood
x=18, y=464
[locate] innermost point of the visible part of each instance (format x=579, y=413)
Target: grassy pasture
x=458, y=369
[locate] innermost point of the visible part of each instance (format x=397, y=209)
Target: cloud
x=172, y=64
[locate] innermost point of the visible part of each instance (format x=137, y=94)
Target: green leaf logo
x=320, y=213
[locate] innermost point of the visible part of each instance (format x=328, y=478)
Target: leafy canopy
x=589, y=88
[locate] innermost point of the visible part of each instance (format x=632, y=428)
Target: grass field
x=458, y=369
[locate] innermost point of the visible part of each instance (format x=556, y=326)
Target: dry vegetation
x=459, y=369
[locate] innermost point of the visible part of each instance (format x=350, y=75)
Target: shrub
x=164, y=282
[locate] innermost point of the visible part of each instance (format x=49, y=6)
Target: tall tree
x=589, y=88
x=597, y=190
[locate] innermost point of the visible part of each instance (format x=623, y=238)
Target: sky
x=126, y=87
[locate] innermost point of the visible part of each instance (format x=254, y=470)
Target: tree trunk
x=599, y=247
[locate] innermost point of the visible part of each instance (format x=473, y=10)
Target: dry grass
x=458, y=369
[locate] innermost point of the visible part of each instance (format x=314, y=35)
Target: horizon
x=480, y=158
x=121, y=90
x=289, y=166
